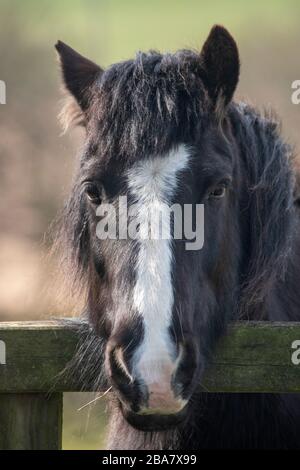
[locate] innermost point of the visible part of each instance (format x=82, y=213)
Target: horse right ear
x=79, y=74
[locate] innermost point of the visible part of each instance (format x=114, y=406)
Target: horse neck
x=283, y=303
x=264, y=161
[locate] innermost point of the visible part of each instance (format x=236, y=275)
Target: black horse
x=164, y=129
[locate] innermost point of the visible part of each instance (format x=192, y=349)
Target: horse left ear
x=220, y=59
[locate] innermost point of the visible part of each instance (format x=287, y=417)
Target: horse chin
x=154, y=422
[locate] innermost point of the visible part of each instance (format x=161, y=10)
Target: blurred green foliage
x=115, y=29
x=84, y=424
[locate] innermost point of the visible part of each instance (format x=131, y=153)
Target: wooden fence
x=253, y=357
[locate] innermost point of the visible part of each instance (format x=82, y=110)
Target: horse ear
x=79, y=73
x=220, y=59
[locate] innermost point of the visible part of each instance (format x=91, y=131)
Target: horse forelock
x=147, y=105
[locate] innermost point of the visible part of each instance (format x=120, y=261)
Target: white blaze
x=151, y=183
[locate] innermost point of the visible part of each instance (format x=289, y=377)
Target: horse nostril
x=129, y=391
x=119, y=360
x=119, y=369
x=188, y=366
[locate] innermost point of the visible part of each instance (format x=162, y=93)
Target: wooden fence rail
x=253, y=357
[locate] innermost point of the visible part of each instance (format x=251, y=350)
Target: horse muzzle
x=151, y=395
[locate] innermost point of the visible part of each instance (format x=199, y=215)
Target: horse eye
x=218, y=192
x=93, y=193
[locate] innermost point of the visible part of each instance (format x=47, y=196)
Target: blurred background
x=36, y=161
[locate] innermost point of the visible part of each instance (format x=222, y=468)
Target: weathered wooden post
x=32, y=355
x=31, y=421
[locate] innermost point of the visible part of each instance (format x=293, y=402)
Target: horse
x=164, y=128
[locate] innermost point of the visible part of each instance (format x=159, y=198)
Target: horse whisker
x=95, y=399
